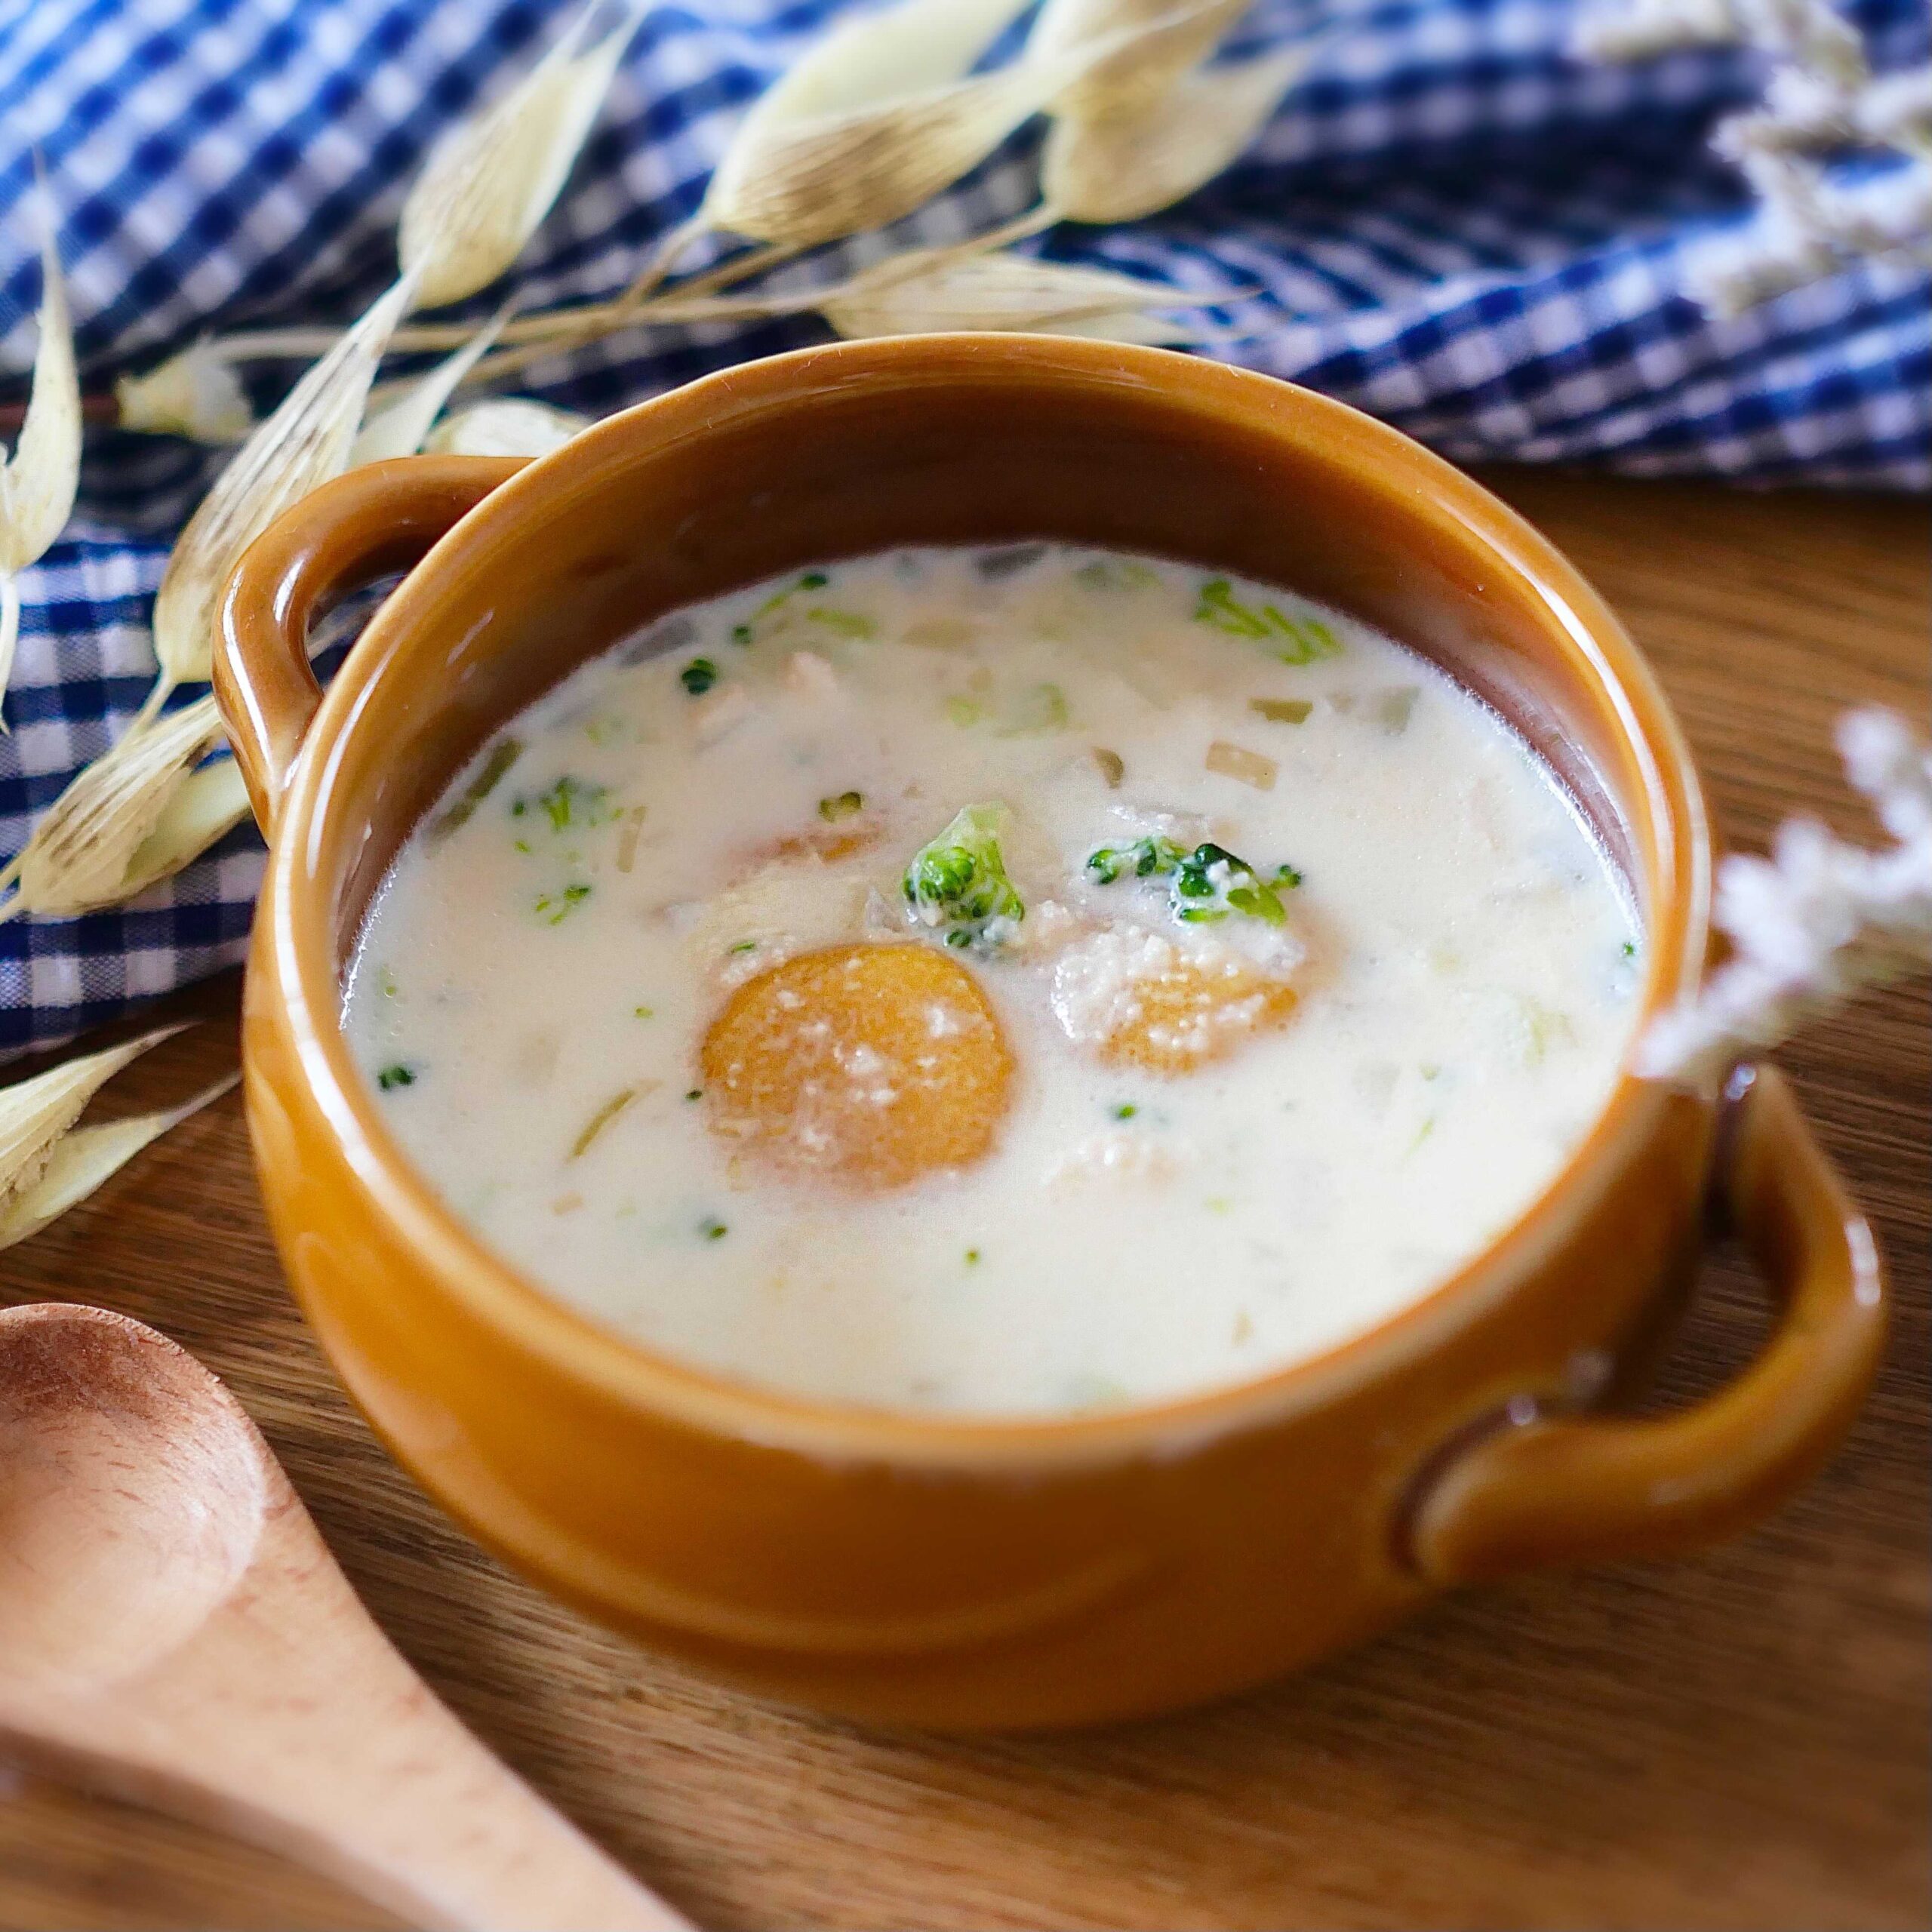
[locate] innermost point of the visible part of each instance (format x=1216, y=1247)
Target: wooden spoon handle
x=288, y=1718
x=344, y=1757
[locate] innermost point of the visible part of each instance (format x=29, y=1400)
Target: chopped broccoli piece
x=398, y=1074
x=1146, y=858
x=1302, y=640
x=698, y=676
x=570, y=802
x=553, y=908
x=958, y=881
x=1207, y=884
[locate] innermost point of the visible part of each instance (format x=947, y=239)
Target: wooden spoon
x=173, y=1629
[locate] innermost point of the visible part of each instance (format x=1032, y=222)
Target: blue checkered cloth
x=1453, y=223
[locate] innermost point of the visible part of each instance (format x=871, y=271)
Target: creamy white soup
x=1005, y=980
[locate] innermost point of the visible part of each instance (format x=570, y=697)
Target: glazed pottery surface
x=955, y=1572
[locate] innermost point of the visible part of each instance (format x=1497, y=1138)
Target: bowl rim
x=300, y=935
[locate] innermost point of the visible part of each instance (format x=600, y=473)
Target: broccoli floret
x=1207, y=884
x=958, y=881
x=1210, y=882
x=1146, y=858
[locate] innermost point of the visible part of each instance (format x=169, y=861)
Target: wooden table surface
x=1740, y=1740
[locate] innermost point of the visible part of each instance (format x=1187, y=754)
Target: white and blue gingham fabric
x=1452, y=222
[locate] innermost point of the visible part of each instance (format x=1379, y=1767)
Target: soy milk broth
x=1408, y=998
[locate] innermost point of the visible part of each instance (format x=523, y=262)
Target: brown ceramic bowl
x=954, y=1572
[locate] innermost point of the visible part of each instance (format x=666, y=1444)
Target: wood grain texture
x=1738, y=1741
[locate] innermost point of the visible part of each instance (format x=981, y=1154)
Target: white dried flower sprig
x=1821, y=103
x=47, y=1163
x=1818, y=920
x=38, y=481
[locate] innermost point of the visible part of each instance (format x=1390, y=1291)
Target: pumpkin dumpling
x=1138, y=999
x=872, y=1065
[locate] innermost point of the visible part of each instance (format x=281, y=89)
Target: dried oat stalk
x=507, y=426
x=305, y=443
x=129, y=820
x=1152, y=41
x=195, y=394
x=399, y=416
x=848, y=95
x=47, y=1165
x=492, y=179
x=34, y=1114
x=877, y=120
x=38, y=481
x=941, y=289
x=1135, y=158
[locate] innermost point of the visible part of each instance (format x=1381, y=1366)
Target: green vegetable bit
x=698, y=676
x=643, y=1012
x=1117, y=573
x=553, y=908
x=746, y=945
x=1146, y=858
x=746, y=633
x=959, y=881
x=1125, y=1111
x=1293, y=640
x=842, y=623
x=712, y=1229
x=1207, y=884
x=843, y=806
x=570, y=804
x=399, y=1074
x=503, y=754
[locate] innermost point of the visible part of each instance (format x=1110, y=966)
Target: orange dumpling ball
x=870, y=1065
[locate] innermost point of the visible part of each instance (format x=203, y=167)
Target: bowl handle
x=379, y=518
x=1567, y=1489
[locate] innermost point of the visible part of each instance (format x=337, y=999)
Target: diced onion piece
x=1282, y=710
x=1246, y=767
